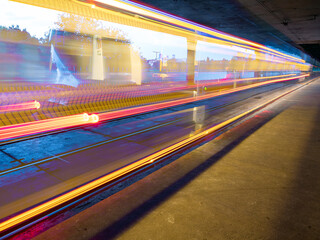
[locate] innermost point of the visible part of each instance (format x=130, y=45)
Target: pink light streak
x=20, y=106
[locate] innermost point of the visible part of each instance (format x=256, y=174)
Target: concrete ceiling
x=299, y=20
x=281, y=24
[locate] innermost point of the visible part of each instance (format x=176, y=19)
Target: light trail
x=112, y=140
x=24, y=129
x=159, y=106
x=20, y=106
x=209, y=83
x=170, y=22
x=55, y=202
x=171, y=19
x=37, y=127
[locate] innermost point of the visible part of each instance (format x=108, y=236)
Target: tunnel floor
x=258, y=180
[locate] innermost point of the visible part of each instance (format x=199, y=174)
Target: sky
x=38, y=21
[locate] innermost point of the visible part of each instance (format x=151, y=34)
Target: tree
x=15, y=34
x=84, y=26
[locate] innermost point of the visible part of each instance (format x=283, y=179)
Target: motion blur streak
x=42, y=208
x=154, y=107
x=101, y=56
x=147, y=11
x=74, y=63
x=20, y=106
x=20, y=130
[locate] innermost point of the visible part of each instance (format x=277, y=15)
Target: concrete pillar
x=136, y=67
x=199, y=115
x=97, y=59
x=191, y=57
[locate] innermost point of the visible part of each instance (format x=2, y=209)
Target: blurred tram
x=94, y=58
x=77, y=53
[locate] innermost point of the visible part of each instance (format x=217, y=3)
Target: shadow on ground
x=300, y=215
x=230, y=140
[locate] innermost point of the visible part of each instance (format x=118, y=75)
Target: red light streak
x=94, y=118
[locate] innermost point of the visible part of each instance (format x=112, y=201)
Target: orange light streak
x=127, y=169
